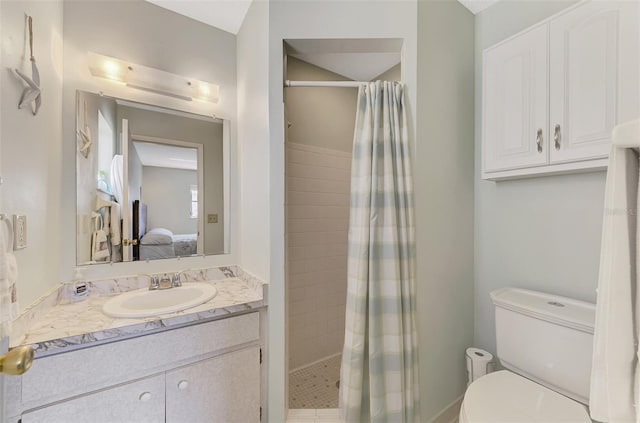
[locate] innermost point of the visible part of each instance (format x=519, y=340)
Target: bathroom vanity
x=200, y=364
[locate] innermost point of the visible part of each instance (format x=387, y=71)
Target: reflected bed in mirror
x=150, y=182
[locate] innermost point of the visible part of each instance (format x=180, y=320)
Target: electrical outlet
x=19, y=231
x=212, y=218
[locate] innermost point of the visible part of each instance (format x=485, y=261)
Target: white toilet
x=546, y=343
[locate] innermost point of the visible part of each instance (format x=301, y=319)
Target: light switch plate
x=212, y=218
x=19, y=231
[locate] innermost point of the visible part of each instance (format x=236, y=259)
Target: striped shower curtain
x=379, y=374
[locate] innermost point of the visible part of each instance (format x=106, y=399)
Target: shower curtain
x=379, y=374
x=615, y=373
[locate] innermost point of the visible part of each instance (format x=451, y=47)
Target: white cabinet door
x=515, y=97
x=223, y=389
x=137, y=402
x=591, y=55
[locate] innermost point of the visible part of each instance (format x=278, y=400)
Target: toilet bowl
x=548, y=339
x=505, y=397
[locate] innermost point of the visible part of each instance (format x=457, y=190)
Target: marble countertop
x=65, y=327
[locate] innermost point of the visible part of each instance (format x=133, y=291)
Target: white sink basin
x=145, y=303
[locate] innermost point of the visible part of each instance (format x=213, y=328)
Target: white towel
x=116, y=172
x=116, y=212
x=615, y=372
x=8, y=278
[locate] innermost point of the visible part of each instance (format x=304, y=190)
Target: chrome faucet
x=165, y=281
x=160, y=282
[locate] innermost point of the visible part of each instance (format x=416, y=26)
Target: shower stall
x=320, y=114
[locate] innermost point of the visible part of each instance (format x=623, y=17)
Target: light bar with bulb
x=151, y=79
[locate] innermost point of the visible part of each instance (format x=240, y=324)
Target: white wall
x=443, y=169
x=542, y=233
x=254, y=204
x=167, y=194
x=152, y=36
x=316, y=19
x=31, y=146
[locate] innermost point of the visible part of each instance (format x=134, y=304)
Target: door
x=515, y=96
x=141, y=401
x=126, y=202
x=222, y=389
x=587, y=78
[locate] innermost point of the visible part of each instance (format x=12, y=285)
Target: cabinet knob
x=539, y=140
x=182, y=385
x=145, y=396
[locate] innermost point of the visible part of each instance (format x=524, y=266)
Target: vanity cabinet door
x=223, y=389
x=137, y=402
x=594, y=67
x=515, y=97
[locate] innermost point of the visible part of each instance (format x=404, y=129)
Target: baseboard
x=450, y=413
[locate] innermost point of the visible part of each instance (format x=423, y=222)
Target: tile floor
x=325, y=415
x=315, y=386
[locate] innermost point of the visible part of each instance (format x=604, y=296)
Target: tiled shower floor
x=315, y=386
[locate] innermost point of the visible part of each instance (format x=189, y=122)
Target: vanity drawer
x=141, y=401
x=65, y=375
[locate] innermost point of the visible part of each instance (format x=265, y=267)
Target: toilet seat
x=505, y=397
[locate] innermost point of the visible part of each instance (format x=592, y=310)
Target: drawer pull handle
x=557, y=137
x=182, y=385
x=145, y=396
x=539, y=140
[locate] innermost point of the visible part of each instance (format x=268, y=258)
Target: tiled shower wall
x=317, y=219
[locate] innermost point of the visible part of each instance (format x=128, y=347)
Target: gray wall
x=167, y=195
x=323, y=117
x=541, y=233
x=443, y=169
x=317, y=232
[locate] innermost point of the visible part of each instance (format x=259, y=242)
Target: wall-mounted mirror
x=151, y=182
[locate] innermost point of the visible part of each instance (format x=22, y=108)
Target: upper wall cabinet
x=552, y=94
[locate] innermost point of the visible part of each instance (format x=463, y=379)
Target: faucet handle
x=175, y=280
x=155, y=283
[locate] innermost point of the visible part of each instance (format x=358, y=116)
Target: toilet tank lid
x=564, y=311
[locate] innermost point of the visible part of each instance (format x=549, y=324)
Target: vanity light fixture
x=151, y=79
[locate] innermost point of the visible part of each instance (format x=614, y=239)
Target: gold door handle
x=128, y=242
x=17, y=361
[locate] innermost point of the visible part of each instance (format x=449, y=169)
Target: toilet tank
x=546, y=338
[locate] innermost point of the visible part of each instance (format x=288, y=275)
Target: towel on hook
x=99, y=242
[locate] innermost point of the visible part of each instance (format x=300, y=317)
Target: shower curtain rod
x=338, y=84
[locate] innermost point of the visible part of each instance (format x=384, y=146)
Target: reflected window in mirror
x=147, y=180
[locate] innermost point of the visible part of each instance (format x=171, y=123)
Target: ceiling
x=223, y=14
x=162, y=155
x=229, y=14
x=338, y=56
x=477, y=6
x=357, y=59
